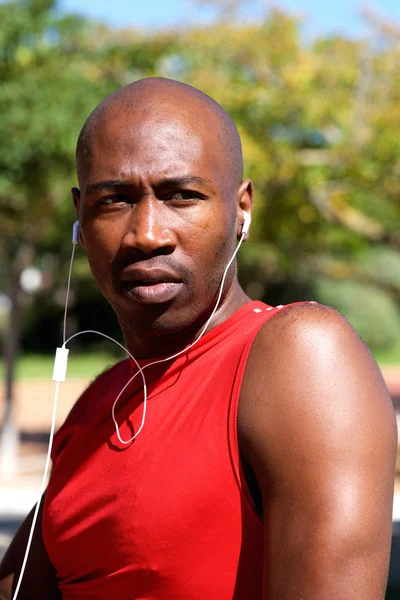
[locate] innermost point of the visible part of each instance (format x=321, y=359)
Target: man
x=265, y=465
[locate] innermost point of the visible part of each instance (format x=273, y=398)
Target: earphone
x=60, y=369
x=246, y=223
x=75, y=232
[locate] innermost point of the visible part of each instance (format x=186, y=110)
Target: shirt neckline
x=206, y=338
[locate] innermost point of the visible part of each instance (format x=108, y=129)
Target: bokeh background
x=314, y=89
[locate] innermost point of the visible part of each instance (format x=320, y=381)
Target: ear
x=245, y=195
x=76, y=197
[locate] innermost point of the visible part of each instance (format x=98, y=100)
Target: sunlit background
x=315, y=91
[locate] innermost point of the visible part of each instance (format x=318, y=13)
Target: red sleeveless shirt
x=167, y=516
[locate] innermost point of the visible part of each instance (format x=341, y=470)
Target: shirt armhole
x=234, y=404
x=232, y=421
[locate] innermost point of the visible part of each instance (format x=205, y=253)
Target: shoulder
x=309, y=376
x=306, y=335
x=301, y=321
x=317, y=427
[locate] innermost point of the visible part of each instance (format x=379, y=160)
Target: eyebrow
x=112, y=184
x=108, y=184
x=183, y=181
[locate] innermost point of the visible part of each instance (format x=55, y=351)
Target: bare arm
x=318, y=428
x=39, y=579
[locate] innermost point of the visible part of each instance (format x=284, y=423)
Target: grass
x=88, y=365
x=83, y=366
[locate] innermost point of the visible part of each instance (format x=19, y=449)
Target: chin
x=152, y=319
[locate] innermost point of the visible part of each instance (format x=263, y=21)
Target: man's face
x=158, y=220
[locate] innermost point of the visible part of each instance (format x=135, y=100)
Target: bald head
x=164, y=99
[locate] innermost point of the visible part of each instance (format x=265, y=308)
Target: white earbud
x=75, y=232
x=246, y=223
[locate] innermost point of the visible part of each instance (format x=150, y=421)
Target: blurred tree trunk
x=9, y=433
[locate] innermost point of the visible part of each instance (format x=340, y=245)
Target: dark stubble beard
x=150, y=322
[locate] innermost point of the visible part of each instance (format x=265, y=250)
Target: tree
x=320, y=126
x=55, y=70
x=44, y=64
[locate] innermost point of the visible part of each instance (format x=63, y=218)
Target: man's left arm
x=317, y=426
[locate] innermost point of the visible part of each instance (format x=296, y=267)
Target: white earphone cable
x=42, y=488
x=161, y=360
x=67, y=294
x=140, y=370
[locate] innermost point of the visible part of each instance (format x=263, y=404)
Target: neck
x=153, y=344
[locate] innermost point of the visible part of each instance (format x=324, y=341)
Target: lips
x=150, y=286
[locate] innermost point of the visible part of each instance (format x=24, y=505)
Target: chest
x=168, y=497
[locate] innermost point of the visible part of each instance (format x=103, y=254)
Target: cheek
x=100, y=252
x=101, y=243
x=208, y=254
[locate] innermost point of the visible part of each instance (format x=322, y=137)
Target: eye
x=185, y=196
x=114, y=199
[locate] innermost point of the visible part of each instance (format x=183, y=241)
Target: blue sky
x=320, y=16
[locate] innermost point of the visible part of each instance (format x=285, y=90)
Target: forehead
x=152, y=147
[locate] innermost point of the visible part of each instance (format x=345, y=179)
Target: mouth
x=150, y=286
x=151, y=293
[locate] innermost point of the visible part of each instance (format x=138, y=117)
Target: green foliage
x=320, y=125
x=372, y=312
x=46, y=91
x=307, y=117
x=382, y=265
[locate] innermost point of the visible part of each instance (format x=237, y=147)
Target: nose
x=149, y=231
